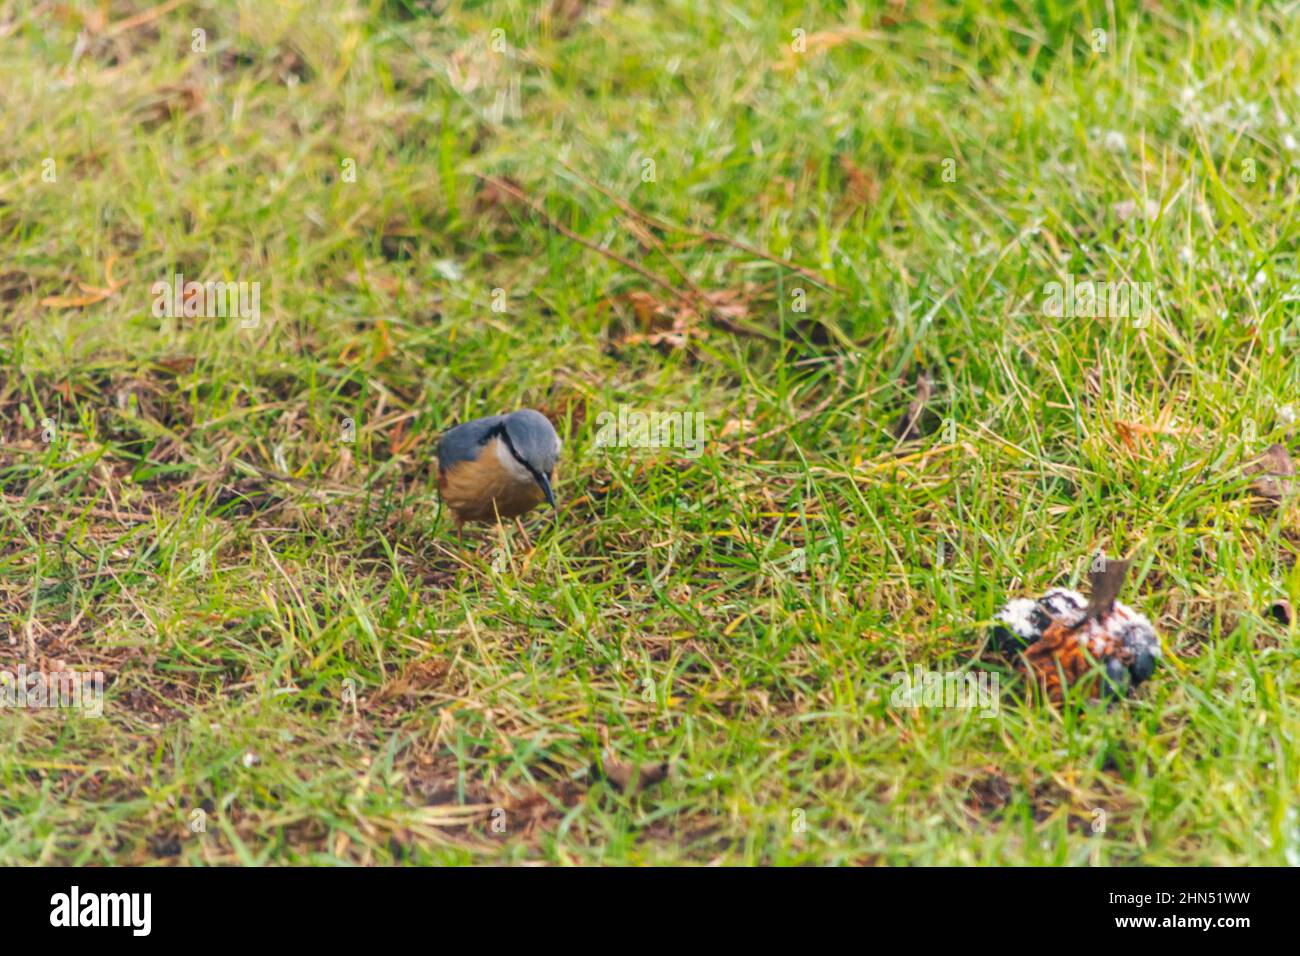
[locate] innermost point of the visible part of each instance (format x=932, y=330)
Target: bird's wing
x=464, y=442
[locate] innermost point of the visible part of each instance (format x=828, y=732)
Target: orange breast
x=484, y=490
x=1060, y=658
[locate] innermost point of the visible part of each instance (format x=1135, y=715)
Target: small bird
x=1060, y=636
x=498, y=467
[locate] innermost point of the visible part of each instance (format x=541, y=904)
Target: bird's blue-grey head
x=531, y=441
x=528, y=446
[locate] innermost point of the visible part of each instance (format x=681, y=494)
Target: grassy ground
x=777, y=219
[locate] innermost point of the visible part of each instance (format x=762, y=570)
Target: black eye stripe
x=500, y=432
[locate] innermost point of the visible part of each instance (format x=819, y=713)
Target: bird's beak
x=545, y=484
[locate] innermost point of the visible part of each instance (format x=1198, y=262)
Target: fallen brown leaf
x=660, y=323
x=93, y=293
x=1143, y=440
x=417, y=677
x=1276, y=473
x=180, y=365
x=630, y=777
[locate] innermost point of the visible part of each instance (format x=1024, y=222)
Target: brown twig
x=651, y=239
x=706, y=234
x=140, y=19
x=564, y=230
x=694, y=296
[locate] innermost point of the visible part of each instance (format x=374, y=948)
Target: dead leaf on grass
x=1276, y=475
x=178, y=365
x=629, y=777
x=660, y=323
x=674, y=323
x=91, y=294
x=416, y=677
x=1142, y=440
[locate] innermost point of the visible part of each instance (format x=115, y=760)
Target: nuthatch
x=498, y=467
